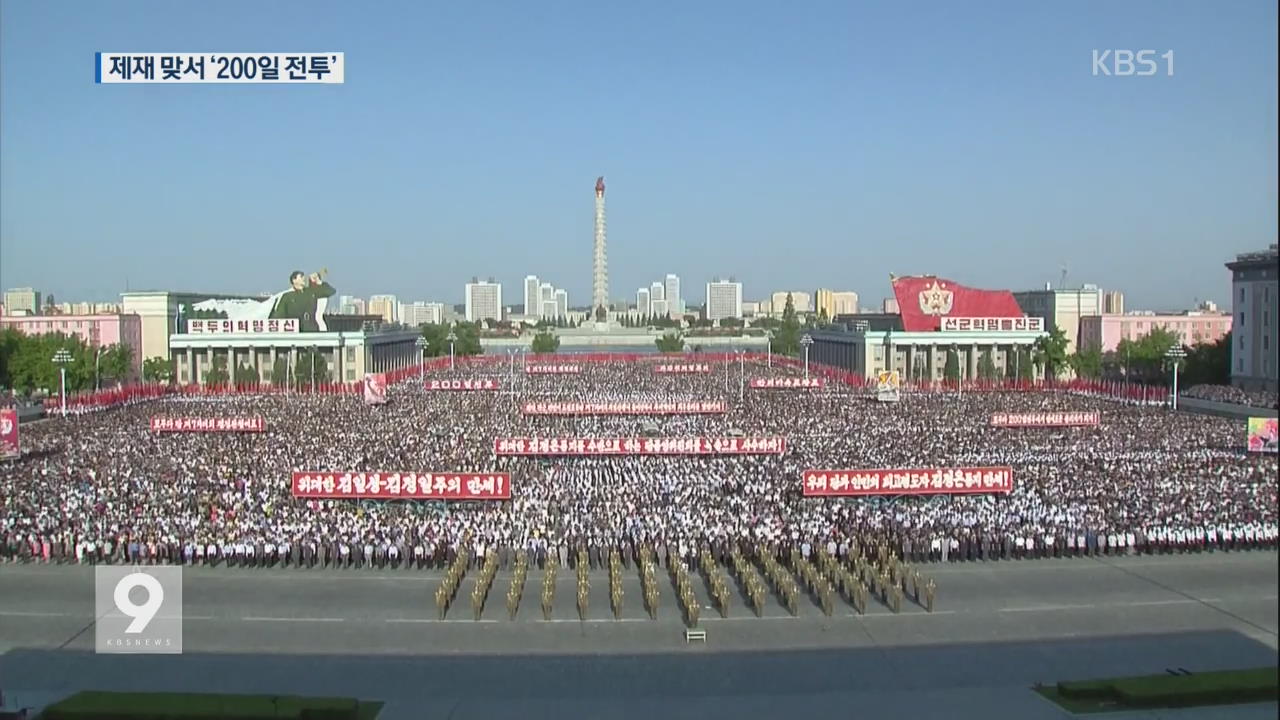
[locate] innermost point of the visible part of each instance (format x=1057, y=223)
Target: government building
x=936, y=316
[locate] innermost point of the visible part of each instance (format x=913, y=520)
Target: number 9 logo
x=142, y=614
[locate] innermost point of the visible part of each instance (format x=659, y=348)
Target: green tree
x=730, y=322
x=951, y=371
x=987, y=367
x=158, y=370
x=786, y=340
x=1051, y=352
x=218, y=375
x=280, y=372
x=305, y=373
x=10, y=340
x=1144, y=357
x=823, y=318
x=115, y=364
x=670, y=343
x=1086, y=364
x=246, y=375
x=1209, y=363
x=545, y=342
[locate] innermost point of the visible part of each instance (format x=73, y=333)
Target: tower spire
x=599, y=259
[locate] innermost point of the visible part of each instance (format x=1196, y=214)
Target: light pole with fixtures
x=1175, y=354
x=742, y=374
x=62, y=357
x=805, y=342
x=452, y=338
x=768, y=339
x=421, y=344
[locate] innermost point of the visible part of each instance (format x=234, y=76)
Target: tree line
x=27, y=366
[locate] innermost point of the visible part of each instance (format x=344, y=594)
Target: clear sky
x=792, y=145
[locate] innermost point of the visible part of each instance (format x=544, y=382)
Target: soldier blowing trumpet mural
x=305, y=300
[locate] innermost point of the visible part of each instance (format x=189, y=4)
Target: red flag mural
x=924, y=299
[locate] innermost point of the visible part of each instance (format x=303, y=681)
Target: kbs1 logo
x=1127, y=63
x=138, y=610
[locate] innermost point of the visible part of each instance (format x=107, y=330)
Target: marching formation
x=105, y=487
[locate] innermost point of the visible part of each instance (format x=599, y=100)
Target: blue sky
x=792, y=145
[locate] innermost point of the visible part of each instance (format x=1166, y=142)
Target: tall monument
x=599, y=260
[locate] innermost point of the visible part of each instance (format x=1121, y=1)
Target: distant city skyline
x=823, y=146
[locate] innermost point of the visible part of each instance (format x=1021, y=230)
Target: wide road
x=997, y=628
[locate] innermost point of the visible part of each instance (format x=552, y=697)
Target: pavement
x=998, y=628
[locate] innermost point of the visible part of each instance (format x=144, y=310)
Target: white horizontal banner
x=324, y=68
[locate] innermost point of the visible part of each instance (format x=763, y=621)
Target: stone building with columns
x=936, y=316
x=350, y=353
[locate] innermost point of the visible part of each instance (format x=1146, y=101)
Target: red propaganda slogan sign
x=463, y=384
x=991, y=324
x=9, y=447
x=1046, y=419
x=699, y=407
x=227, y=327
x=682, y=368
x=641, y=446
x=402, y=486
x=785, y=383
x=937, y=481
x=208, y=424
x=553, y=369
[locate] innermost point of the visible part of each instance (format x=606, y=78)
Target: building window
x=1242, y=342
x=351, y=354
x=1241, y=295
x=1241, y=318
x=1266, y=342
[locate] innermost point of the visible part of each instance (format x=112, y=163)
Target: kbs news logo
x=1124, y=63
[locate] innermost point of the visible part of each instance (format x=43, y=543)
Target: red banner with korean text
x=479, y=384
x=699, y=407
x=924, y=300
x=552, y=369
x=208, y=424
x=934, y=481
x=402, y=486
x=682, y=368
x=9, y=447
x=641, y=446
x=1046, y=419
x=785, y=383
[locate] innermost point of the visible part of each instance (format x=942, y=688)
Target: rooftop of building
x=1268, y=256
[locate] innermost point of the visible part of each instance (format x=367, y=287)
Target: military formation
x=856, y=576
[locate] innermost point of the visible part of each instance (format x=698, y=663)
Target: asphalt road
x=997, y=628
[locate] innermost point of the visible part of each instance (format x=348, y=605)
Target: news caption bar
x=321, y=68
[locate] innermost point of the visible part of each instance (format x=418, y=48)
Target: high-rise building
x=532, y=296
x=1062, y=307
x=422, y=313
x=799, y=301
x=643, y=302
x=1255, y=297
x=835, y=303
x=724, y=300
x=672, y=294
x=750, y=309
x=658, y=308
x=385, y=305
x=599, y=260
x=546, y=293
x=846, y=303
x=20, y=301
x=1113, y=302
x=484, y=300
x=889, y=306
x=562, y=304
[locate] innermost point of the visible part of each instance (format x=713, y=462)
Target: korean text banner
x=694, y=368
x=324, y=68
x=695, y=407
x=932, y=481
x=641, y=446
x=406, y=485
x=1262, y=435
x=9, y=433
x=553, y=369
x=463, y=385
x=208, y=424
x=1046, y=419
x=784, y=383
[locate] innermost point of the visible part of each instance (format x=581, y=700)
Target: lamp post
x=452, y=338
x=313, y=369
x=1175, y=355
x=421, y=344
x=768, y=339
x=742, y=374
x=97, y=369
x=62, y=357
x=805, y=342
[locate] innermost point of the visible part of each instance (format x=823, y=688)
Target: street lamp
x=805, y=342
x=97, y=369
x=61, y=358
x=421, y=344
x=768, y=339
x=452, y=338
x=1175, y=355
x=742, y=374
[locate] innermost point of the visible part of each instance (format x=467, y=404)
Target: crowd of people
x=103, y=487
x=1233, y=395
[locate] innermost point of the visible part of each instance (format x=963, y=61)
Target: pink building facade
x=96, y=330
x=1104, y=332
